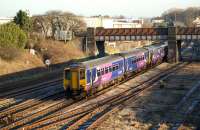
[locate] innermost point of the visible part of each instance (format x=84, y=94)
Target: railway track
x=21, y=103
x=15, y=97
x=23, y=90
x=87, y=113
x=91, y=121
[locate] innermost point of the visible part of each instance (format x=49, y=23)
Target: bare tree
x=41, y=25
x=182, y=17
x=58, y=20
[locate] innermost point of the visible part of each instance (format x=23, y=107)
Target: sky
x=129, y=8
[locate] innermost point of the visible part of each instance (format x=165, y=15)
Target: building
x=127, y=23
x=112, y=22
x=196, y=22
x=157, y=20
x=4, y=20
x=63, y=35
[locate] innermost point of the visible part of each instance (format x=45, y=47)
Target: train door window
x=102, y=71
x=98, y=73
x=110, y=68
x=114, y=68
x=106, y=70
x=134, y=61
x=82, y=74
x=67, y=74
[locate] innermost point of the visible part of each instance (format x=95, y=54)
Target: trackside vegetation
x=12, y=38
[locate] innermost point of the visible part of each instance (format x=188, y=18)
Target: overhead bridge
x=131, y=34
x=96, y=37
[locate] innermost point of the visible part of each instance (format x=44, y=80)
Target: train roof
x=99, y=61
x=155, y=46
x=134, y=52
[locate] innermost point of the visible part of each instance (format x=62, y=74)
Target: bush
x=11, y=36
x=34, y=41
x=9, y=53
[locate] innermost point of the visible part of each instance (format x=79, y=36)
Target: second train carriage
x=135, y=60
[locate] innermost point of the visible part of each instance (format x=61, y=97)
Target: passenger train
x=85, y=78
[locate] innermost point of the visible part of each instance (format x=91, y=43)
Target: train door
x=67, y=78
x=75, y=80
x=82, y=79
x=93, y=75
x=88, y=77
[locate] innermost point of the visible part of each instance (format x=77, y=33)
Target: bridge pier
x=91, y=46
x=101, y=48
x=174, y=46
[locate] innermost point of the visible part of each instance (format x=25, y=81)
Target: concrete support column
x=84, y=44
x=101, y=48
x=173, y=55
x=179, y=49
x=91, y=42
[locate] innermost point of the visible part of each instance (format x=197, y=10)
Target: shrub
x=9, y=53
x=34, y=41
x=11, y=36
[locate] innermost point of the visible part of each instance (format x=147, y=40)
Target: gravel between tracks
x=157, y=108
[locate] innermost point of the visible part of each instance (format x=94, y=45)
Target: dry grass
x=62, y=52
x=58, y=51
x=125, y=46
x=23, y=62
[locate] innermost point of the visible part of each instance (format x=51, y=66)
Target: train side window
x=82, y=74
x=114, y=68
x=106, y=70
x=110, y=68
x=98, y=73
x=117, y=67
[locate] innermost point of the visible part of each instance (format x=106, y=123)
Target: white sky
x=130, y=8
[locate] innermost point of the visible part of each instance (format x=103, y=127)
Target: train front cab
x=74, y=81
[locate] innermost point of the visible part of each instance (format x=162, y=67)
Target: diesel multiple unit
x=85, y=78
